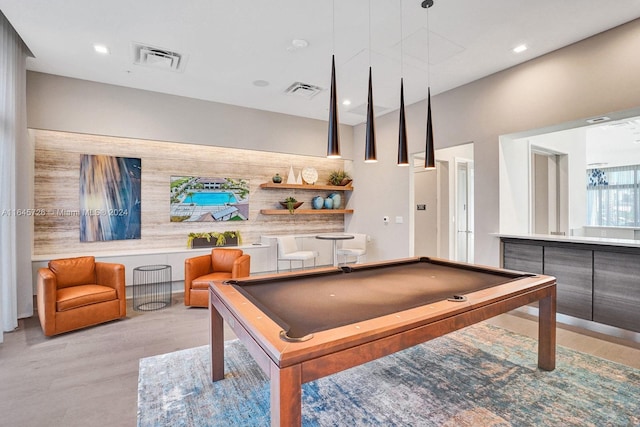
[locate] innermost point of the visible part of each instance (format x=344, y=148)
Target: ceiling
x=227, y=46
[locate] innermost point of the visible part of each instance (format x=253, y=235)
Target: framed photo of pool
x=203, y=199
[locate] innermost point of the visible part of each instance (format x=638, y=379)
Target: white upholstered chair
x=356, y=247
x=288, y=251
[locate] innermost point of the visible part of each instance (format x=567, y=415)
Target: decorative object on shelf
x=291, y=204
x=299, y=178
x=277, y=179
x=339, y=177
x=214, y=238
x=310, y=175
x=317, y=202
x=337, y=200
x=328, y=203
x=291, y=178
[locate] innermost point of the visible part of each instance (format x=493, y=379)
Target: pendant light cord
x=428, y=51
x=369, y=33
x=333, y=27
x=401, y=44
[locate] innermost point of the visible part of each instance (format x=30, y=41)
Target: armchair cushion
x=74, y=271
x=202, y=282
x=222, y=260
x=77, y=296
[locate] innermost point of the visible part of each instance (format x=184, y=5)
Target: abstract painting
x=201, y=199
x=109, y=198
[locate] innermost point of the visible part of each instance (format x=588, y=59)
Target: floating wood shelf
x=307, y=187
x=306, y=211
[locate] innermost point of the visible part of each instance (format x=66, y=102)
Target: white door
x=426, y=212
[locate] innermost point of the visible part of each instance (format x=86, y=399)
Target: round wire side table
x=151, y=287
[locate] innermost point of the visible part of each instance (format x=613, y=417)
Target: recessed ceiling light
x=598, y=119
x=520, y=49
x=346, y=102
x=100, y=48
x=260, y=83
x=297, y=44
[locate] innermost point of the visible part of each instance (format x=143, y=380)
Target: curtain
x=613, y=196
x=13, y=139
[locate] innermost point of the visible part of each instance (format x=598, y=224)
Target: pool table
x=303, y=326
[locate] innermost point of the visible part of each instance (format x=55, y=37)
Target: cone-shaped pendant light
x=429, y=156
x=403, y=157
x=333, y=144
x=370, y=146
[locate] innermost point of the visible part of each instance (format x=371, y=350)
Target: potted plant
x=291, y=203
x=339, y=177
x=214, y=238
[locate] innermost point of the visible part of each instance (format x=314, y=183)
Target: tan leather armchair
x=74, y=293
x=222, y=264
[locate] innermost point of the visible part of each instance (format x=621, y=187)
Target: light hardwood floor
x=89, y=377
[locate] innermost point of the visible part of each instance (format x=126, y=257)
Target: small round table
x=151, y=287
x=335, y=237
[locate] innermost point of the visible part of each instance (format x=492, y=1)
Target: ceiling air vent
x=303, y=90
x=155, y=57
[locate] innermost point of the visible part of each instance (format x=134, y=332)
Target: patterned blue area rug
x=480, y=376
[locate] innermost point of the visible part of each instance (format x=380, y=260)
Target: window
x=613, y=196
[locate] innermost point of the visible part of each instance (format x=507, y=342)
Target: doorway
x=549, y=192
x=443, y=209
x=464, y=211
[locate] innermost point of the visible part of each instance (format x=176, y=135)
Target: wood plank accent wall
x=56, y=191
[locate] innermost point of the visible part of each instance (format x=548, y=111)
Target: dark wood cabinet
x=616, y=289
x=594, y=282
x=573, y=270
x=522, y=257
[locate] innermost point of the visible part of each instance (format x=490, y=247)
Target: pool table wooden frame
x=291, y=364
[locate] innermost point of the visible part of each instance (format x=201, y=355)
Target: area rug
x=479, y=376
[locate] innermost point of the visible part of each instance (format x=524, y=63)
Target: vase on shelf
x=337, y=200
x=328, y=203
x=277, y=179
x=317, y=202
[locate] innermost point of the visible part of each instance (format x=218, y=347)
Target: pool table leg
x=286, y=395
x=216, y=344
x=547, y=332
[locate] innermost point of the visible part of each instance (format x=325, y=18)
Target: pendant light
x=370, y=142
x=403, y=157
x=429, y=158
x=333, y=142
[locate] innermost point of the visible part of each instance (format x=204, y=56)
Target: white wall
x=72, y=105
